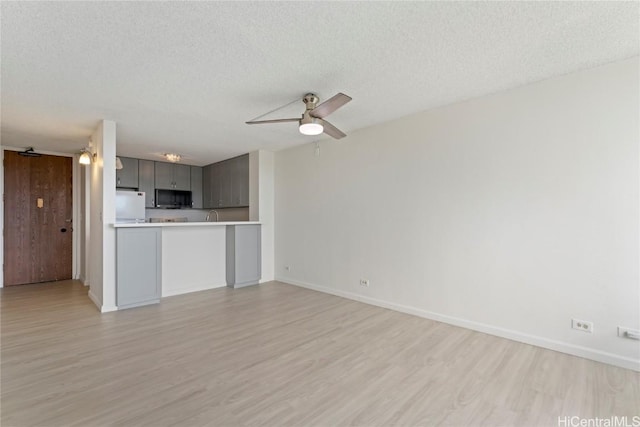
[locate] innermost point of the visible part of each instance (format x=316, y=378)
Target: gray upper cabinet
x=196, y=187
x=164, y=175
x=182, y=177
x=146, y=181
x=241, y=181
x=226, y=184
x=207, y=195
x=170, y=176
x=216, y=186
x=127, y=177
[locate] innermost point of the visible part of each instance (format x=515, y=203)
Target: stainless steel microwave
x=174, y=199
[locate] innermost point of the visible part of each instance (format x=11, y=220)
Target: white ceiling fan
x=312, y=121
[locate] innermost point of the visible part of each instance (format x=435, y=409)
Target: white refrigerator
x=130, y=206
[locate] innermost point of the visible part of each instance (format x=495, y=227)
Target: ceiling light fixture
x=174, y=158
x=311, y=126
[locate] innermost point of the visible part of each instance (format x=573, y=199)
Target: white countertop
x=182, y=224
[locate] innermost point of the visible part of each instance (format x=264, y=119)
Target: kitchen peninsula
x=157, y=260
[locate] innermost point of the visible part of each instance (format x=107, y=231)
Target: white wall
x=102, y=267
x=266, y=178
x=2, y=214
x=202, y=266
x=509, y=214
x=85, y=209
x=261, y=206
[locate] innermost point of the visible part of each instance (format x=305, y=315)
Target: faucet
x=209, y=215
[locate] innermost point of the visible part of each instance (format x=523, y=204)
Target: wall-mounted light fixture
x=172, y=157
x=86, y=157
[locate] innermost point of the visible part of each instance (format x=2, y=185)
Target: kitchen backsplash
x=196, y=215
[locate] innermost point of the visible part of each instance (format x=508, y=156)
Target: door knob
x=63, y=230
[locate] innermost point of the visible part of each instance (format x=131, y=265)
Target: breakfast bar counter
x=182, y=224
x=157, y=260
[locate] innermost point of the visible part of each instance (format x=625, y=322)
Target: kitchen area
x=180, y=192
x=183, y=228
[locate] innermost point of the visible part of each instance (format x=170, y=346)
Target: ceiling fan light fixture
x=313, y=120
x=311, y=126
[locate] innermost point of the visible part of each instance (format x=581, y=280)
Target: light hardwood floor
x=279, y=355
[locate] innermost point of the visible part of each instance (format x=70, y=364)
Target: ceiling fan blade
x=333, y=131
x=259, y=122
x=330, y=105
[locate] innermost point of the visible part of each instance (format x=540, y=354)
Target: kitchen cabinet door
x=146, y=181
x=241, y=181
x=164, y=175
x=182, y=177
x=127, y=177
x=196, y=187
x=170, y=176
x=230, y=173
x=216, y=185
x=207, y=201
x=226, y=183
x=244, y=265
x=138, y=266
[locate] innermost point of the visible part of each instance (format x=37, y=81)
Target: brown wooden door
x=37, y=218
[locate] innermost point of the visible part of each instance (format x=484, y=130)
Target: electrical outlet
x=582, y=325
x=364, y=282
x=633, y=334
x=287, y=268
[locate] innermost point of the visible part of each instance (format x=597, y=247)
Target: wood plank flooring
x=279, y=355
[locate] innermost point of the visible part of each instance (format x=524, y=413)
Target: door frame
x=78, y=225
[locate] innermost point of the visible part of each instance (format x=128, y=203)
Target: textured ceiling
x=185, y=76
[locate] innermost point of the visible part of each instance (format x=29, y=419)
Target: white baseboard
x=95, y=300
x=172, y=292
x=108, y=308
x=575, y=350
x=102, y=308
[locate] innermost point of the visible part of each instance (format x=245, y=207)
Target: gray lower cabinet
x=244, y=265
x=146, y=181
x=127, y=177
x=138, y=266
